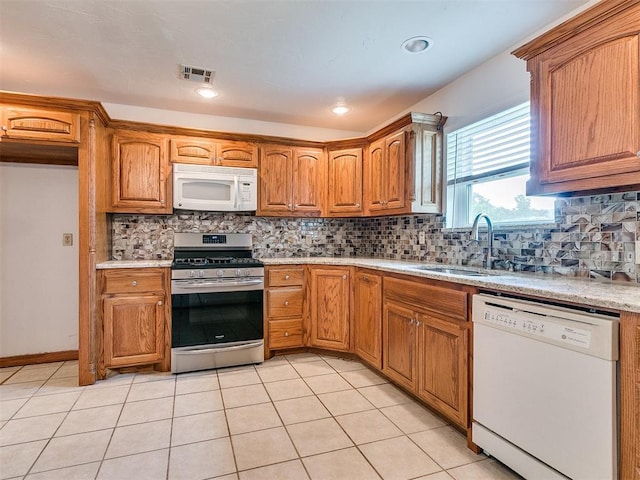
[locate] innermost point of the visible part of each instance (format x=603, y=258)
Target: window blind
x=493, y=146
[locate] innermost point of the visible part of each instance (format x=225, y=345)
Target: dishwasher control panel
x=538, y=325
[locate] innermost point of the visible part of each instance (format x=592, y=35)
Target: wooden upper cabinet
x=368, y=317
x=386, y=179
x=193, y=150
x=345, y=183
x=275, y=177
x=309, y=168
x=329, y=304
x=585, y=101
x=291, y=181
x=141, y=175
x=237, y=154
x=204, y=151
x=23, y=123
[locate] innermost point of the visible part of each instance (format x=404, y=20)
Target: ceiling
x=286, y=61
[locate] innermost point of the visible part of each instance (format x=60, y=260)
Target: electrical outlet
x=67, y=239
x=422, y=238
x=637, y=252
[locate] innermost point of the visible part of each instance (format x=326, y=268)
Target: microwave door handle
x=235, y=191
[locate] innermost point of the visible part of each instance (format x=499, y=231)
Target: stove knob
x=201, y=273
x=247, y=272
x=192, y=273
x=219, y=273
x=238, y=272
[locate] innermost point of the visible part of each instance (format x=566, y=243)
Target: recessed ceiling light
x=417, y=44
x=340, y=109
x=206, y=92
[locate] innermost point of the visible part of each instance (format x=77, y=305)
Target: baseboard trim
x=36, y=358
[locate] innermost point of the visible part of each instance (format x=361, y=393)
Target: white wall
x=224, y=124
x=38, y=276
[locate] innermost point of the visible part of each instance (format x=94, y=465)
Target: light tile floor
x=297, y=417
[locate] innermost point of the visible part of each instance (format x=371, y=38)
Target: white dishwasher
x=544, y=388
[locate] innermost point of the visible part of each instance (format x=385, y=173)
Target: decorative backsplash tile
x=592, y=237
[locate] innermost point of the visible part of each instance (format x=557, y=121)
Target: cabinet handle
x=290, y=206
x=4, y=129
x=134, y=284
x=638, y=154
x=418, y=323
x=286, y=334
x=219, y=160
x=286, y=277
x=160, y=303
x=286, y=304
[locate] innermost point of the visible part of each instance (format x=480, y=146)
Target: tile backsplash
x=593, y=236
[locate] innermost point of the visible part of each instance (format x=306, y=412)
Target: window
x=487, y=171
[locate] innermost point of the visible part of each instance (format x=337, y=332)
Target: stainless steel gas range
x=217, y=302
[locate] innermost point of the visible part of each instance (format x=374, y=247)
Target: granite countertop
x=610, y=295
x=134, y=264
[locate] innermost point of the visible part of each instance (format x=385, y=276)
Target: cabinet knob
x=134, y=284
x=357, y=205
x=286, y=277
x=160, y=303
x=219, y=160
x=344, y=277
x=289, y=206
x=286, y=304
x=4, y=129
x=418, y=323
x=286, y=334
x=638, y=154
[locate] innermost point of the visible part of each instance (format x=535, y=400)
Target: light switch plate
x=422, y=238
x=637, y=252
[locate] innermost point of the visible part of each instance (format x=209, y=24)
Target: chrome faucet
x=476, y=236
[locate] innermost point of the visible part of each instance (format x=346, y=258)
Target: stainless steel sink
x=453, y=271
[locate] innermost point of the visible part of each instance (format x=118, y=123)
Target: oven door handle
x=178, y=286
x=197, y=351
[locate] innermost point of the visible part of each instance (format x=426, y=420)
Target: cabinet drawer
x=127, y=281
x=284, y=302
x=285, y=333
x=445, y=301
x=285, y=277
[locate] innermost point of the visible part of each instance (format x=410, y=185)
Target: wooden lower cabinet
x=284, y=310
x=329, y=305
x=135, y=318
x=630, y=396
x=367, y=287
x=443, y=372
x=426, y=343
x=400, y=345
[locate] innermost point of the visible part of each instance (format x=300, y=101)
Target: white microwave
x=215, y=189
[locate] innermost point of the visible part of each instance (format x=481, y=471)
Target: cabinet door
x=237, y=154
x=443, y=366
x=133, y=329
x=394, y=172
x=276, y=173
x=308, y=180
x=376, y=176
x=141, y=174
x=400, y=359
x=40, y=124
x=345, y=182
x=585, y=106
x=192, y=150
x=330, y=308
x=368, y=317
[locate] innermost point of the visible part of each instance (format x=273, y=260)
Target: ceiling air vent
x=196, y=74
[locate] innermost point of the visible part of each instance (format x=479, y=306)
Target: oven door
x=209, y=312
